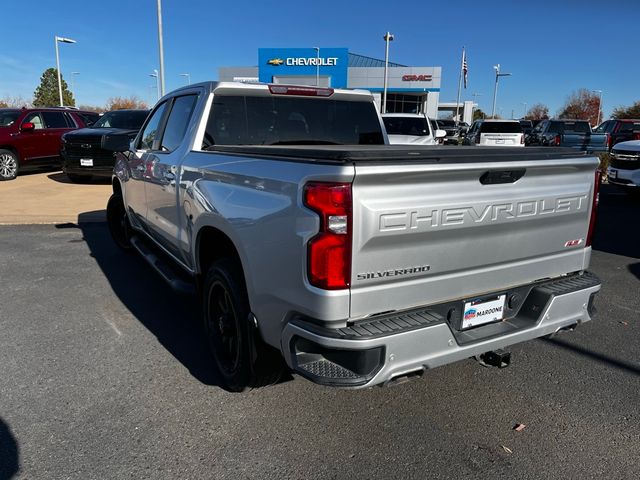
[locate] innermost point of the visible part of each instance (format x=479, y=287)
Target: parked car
x=30, y=137
x=495, y=133
x=410, y=129
x=624, y=167
x=82, y=152
x=574, y=134
x=620, y=130
x=527, y=126
x=357, y=262
x=451, y=129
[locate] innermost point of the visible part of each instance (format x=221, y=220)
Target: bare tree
x=123, y=103
x=539, y=111
x=583, y=105
x=91, y=108
x=14, y=102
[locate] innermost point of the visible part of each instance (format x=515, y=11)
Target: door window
x=151, y=129
x=177, y=122
x=54, y=120
x=35, y=119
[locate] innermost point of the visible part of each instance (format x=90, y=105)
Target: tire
x=242, y=359
x=77, y=178
x=9, y=165
x=118, y=222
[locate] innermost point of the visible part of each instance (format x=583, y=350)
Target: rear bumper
x=379, y=351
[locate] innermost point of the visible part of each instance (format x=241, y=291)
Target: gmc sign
x=416, y=78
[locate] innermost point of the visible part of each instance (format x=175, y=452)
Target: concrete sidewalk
x=40, y=198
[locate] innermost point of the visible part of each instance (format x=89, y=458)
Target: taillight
x=558, y=140
x=522, y=139
x=302, y=91
x=609, y=141
x=329, y=252
x=636, y=136
x=594, y=207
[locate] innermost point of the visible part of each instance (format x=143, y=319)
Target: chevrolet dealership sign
x=299, y=63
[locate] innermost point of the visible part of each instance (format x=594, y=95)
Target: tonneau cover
x=402, y=153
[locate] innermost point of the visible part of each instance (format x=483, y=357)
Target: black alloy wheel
x=118, y=222
x=241, y=357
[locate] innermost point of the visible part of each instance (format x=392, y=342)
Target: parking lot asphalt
x=105, y=375
x=50, y=197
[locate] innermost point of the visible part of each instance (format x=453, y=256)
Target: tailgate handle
x=501, y=176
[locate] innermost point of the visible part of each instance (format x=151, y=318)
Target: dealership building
x=409, y=89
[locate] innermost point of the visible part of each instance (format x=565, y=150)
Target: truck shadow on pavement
x=618, y=224
x=9, y=452
x=173, y=318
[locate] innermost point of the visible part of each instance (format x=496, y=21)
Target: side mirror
x=118, y=142
x=440, y=133
x=27, y=127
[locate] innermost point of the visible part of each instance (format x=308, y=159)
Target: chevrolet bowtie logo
x=275, y=61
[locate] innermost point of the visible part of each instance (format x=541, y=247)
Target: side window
x=71, y=122
x=35, y=119
x=54, y=120
x=150, y=132
x=177, y=122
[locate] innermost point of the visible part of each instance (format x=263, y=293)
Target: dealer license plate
x=86, y=162
x=479, y=312
x=499, y=141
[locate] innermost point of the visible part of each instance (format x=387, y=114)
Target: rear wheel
x=78, y=178
x=241, y=357
x=118, y=222
x=8, y=165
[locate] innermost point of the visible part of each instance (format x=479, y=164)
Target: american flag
x=465, y=68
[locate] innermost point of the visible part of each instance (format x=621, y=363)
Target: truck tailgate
x=432, y=232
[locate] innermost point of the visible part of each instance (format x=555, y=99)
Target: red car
x=30, y=137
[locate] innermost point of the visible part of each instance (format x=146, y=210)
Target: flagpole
x=459, y=87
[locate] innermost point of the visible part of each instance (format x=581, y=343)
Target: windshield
x=125, y=119
x=446, y=123
x=501, y=127
x=284, y=120
x=8, y=117
x=414, y=126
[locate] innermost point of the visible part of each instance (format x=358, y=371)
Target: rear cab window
x=569, y=127
x=289, y=120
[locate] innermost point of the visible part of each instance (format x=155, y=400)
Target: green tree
x=47, y=95
x=627, y=112
x=478, y=114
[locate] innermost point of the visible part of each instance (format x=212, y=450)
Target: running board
x=163, y=267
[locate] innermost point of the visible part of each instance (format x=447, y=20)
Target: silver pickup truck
x=317, y=247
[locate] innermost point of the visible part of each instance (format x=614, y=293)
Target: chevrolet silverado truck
x=574, y=134
x=317, y=247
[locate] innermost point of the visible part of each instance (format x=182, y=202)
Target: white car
x=624, y=168
x=410, y=129
x=495, y=133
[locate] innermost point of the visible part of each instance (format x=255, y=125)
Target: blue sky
x=550, y=47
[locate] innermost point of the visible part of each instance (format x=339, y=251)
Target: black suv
x=620, y=130
x=82, y=152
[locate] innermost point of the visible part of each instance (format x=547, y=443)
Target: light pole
x=73, y=89
x=317, y=49
x=160, y=51
x=495, y=88
x=157, y=77
x=599, y=92
x=388, y=37
x=61, y=40
x=524, y=114
x=474, y=95
x=188, y=75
